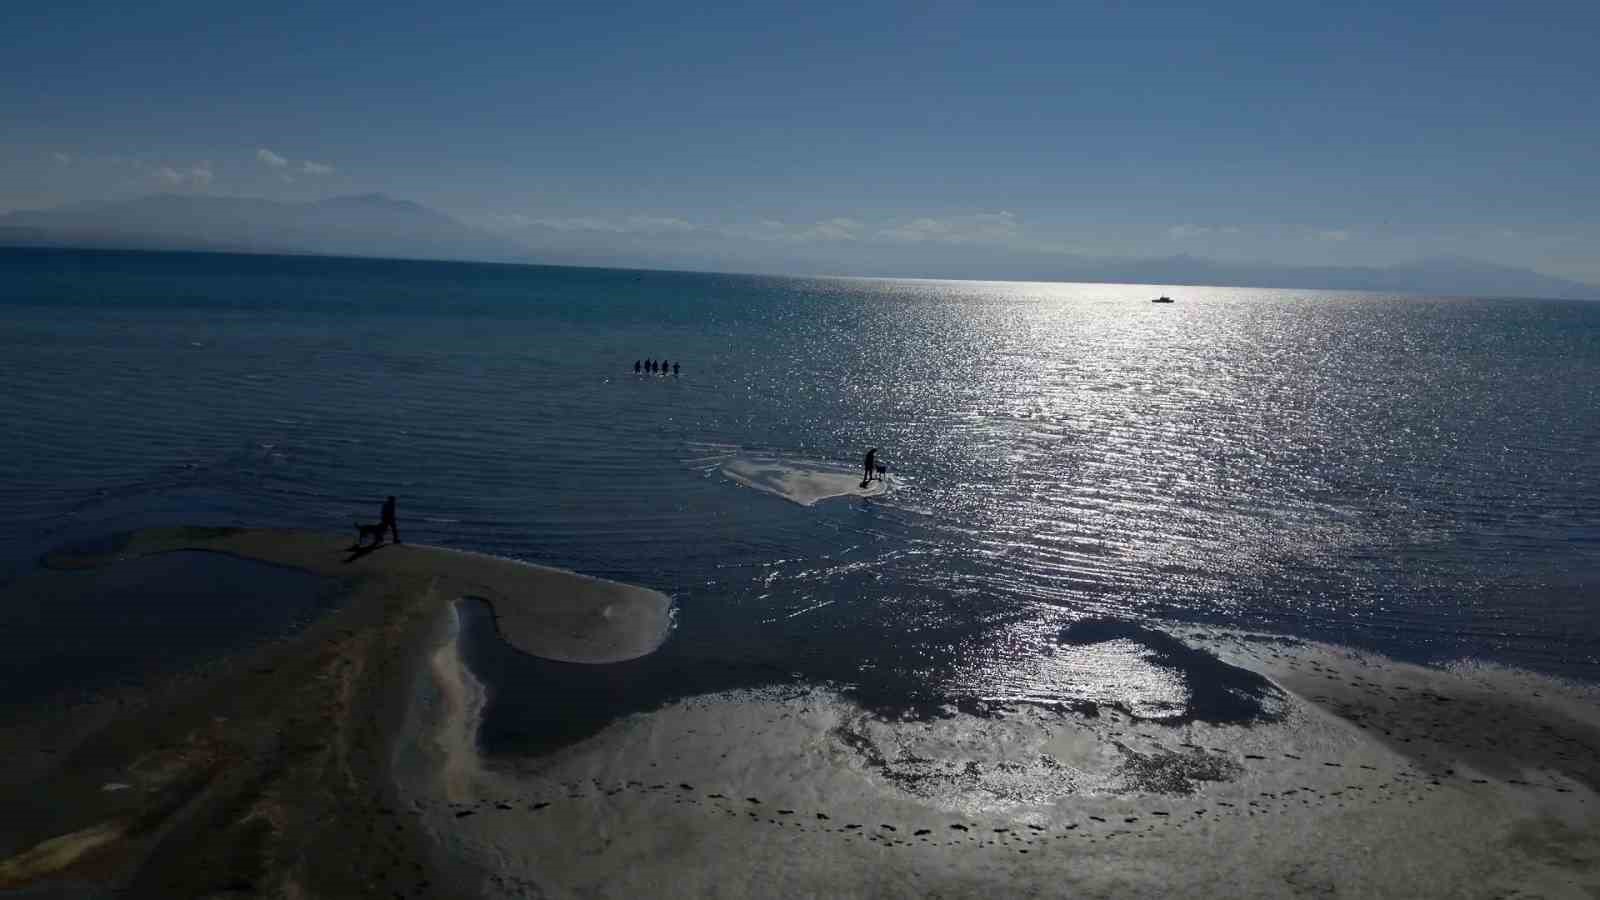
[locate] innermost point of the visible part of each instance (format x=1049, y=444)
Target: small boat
x=1162, y=299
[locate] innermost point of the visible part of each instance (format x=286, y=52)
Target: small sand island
x=805, y=482
x=344, y=761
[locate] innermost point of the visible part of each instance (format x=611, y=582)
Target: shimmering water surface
x=1414, y=475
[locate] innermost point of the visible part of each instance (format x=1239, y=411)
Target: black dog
x=376, y=531
x=878, y=470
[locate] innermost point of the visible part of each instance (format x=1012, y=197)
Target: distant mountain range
x=382, y=226
x=364, y=225
x=1449, y=276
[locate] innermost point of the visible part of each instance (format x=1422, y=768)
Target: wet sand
x=274, y=772
x=800, y=481
x=1467, y=784
x=345, y=762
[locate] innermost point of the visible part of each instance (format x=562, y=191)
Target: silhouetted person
x=636, y=365
x=388, y=521
x=868, y=465
x=649, y=365
x=674, y=369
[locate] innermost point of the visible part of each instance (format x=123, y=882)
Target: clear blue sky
x=1347, y=133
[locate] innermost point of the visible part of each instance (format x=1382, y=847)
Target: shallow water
x=1413, y=475
x=84, y=631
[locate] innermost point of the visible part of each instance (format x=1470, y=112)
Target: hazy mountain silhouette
x=1449, y=276
x=379, y=225
x=364, y=225
x=713, y=250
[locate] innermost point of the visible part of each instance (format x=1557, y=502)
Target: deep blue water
x=1414, y=475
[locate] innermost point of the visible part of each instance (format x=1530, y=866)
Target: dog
x=878, y=470
x=376, y=531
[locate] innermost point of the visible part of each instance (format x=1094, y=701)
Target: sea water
x=1413, y=475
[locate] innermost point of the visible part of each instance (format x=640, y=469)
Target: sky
x=1307, y=134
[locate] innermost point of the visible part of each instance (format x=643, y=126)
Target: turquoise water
x=1413, y=475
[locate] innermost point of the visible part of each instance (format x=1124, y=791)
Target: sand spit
x=799, y=792
x=544, y=611
x=800, y=481
x=272, y=773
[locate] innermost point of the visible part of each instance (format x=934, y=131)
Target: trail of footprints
x=1437, y=729
x=1409, y=785
x=1401, y=714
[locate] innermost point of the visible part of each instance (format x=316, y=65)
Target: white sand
x=801, y=793
x=800, y=481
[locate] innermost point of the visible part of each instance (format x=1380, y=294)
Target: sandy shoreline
x=344, y=762
x=799, y=792
x=274, y=772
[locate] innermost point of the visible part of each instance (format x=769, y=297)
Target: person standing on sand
x=388, y=521
x=868, y=465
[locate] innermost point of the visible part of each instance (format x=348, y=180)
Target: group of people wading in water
x=654, y=368
x=871, y=469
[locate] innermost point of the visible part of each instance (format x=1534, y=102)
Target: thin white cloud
x=196, y=176
x=995, y=229
x=1334, y=234
x=658, y=224
x=271, y=159
x=64, y=159
x=1185, y=232
x=315, y=168
x=977, y=228
x=636, y=224
x=574, y=223
x=764, y=230
x=974, y=228
x=835, y=229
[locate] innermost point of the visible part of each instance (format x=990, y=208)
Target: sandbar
x=275, y=771
x=548, y=612
x=805, y=482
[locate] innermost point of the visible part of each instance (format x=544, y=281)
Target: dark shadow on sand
x=360, y=550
